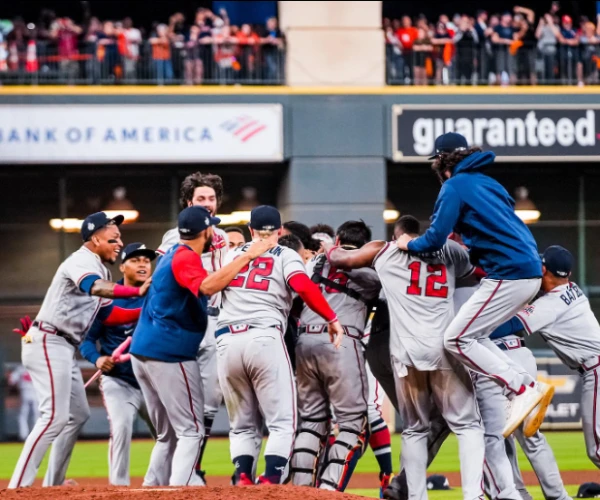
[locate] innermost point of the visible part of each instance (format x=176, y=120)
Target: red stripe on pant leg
x=457, y=340
x=596, y=439
x=377, y=406
x=110, y=429
x=51, y=414
x=294, y=409
x=362, y=376
x=492, y=476
x=187, y=385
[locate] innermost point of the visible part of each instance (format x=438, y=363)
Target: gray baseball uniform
x=48, y=354
x=419, y=295
x=29, y=405
x=326, y=375
x=254, y=369
x=211, y=261
x=564, y=319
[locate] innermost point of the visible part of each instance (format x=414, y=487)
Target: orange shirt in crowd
x=407, y=36
x=161, y=50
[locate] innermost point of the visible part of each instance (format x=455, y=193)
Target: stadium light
x=524, y=207
x=120, y=205
x=390, y=214
x=66, y=225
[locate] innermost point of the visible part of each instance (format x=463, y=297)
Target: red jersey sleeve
x=187, y=269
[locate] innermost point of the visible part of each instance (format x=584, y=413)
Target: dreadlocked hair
x=446, y=162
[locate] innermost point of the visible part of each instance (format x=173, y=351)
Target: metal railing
x=182, y=63
x=486, y=64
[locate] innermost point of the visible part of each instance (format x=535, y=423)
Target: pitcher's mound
x=190, y=493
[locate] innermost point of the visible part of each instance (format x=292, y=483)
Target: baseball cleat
x=70, y=482
x=534, y=420
x=522, y=405
x=244, y=480
x=384, y=482
x=202, y=475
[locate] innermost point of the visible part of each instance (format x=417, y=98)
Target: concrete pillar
x=333, y=43
x=334, y=190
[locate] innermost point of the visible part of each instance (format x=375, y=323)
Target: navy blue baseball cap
x=558, y=261
x=448, y=143
x=588, y=490
x=438, y=482
x=193, y=220
x=94, y=222
x=265, y=218
x=135, y=249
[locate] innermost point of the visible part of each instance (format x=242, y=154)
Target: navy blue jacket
x=173, y=319
x=110, y=337
x=482, y=212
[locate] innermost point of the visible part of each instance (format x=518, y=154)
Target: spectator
x=526, y=53
x=422, y=48
x=193, y=58
x=502, y=38
x=393, y=54
x=547, y=34
x=466, y=41
x=66, y=34
x=205, y=41
x=248, y=43
x=568, y=54
x=272, y=47
x=133, y=39
x=483, y=55
x=407, y=35
x=108, y=51
x=225, y=50
x=587, y=69
x=444, y=51
x=177, y=35
x=161, y=54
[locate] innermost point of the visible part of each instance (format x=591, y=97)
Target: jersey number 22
x=258, y=277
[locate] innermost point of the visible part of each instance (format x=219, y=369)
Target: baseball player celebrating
x=29, y=406
x=501, y=244
x=419, y=295
x=205, y=190
x=79, y=292
x=326, y=375
x=564, y=319
x=121, y=393
x=165, y=344
x=254, y=368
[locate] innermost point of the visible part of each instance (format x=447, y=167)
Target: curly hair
x=198, y=179
x=446, y=162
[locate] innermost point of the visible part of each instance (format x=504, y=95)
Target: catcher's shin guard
x=308, y=447
x=344, y=454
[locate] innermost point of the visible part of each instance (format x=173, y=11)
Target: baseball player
x=501, y=244
x=254, y=368
x=29, y=405
x=121, y=393
x=564, y=319
x=165, y=344
x=80, y=291
x=205, y=190
x=236, y=237
x=325, y=375
x=419, y=294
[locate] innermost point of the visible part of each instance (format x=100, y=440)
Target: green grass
x=90, y=460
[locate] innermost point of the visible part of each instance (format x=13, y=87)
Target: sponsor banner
x=153, y=133
x=565, y=410
x=513, y=132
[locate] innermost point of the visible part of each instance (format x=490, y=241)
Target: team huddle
x=302, y=330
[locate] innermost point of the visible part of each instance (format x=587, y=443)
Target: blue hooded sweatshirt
x=482, y=212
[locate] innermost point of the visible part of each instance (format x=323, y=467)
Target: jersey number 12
x=435, y=284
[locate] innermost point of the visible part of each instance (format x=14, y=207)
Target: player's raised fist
x=259, y=247
x=105, y=363
x=336, y=333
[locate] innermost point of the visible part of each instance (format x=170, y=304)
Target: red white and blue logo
x=244, y=127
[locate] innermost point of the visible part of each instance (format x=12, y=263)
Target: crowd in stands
x=208, y=48
x=504, y=48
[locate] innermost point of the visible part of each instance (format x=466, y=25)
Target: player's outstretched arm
x=217, y=281
x=354, y=259
x=110, y=290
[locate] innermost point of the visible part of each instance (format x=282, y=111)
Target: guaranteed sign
x=513, y=132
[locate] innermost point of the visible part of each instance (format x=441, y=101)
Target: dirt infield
x=191, y=493
x=220, y=484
